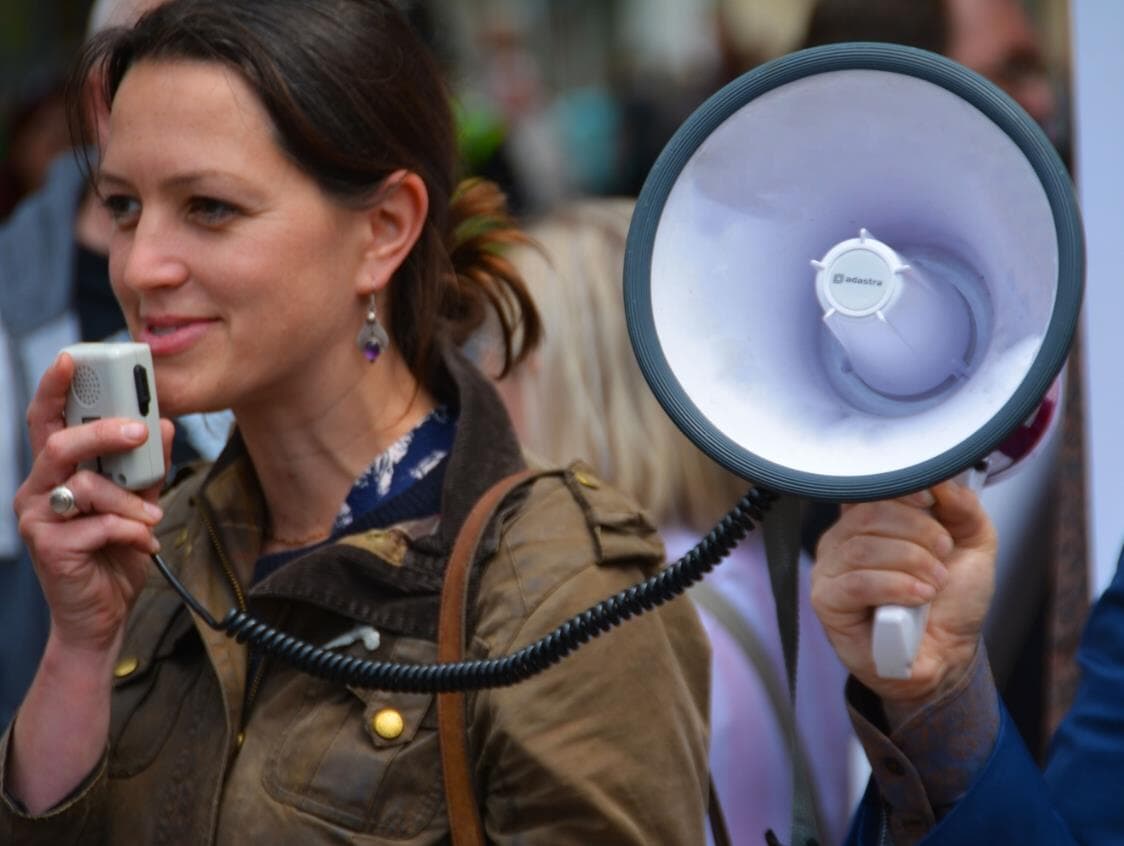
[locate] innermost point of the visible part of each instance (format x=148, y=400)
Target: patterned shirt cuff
x=931, y=760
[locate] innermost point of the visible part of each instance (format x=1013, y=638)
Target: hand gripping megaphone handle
x=898, y=629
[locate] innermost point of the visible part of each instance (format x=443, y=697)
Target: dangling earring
x=372, y=338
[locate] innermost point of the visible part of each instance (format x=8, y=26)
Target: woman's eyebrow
x=109, y=179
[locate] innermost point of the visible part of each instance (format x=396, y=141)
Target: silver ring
x=63, y=502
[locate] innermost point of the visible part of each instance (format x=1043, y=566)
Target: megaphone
x=851, y=274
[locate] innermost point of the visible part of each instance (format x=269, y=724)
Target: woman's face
x=243, y=277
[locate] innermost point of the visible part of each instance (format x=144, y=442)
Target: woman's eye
x=210, y=211
x=124, y=210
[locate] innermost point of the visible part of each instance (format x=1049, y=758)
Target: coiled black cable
x=510, y=669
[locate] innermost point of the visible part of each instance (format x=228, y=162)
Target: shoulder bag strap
x=465, y=825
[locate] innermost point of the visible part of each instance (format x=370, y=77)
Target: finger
x=888, y=519
x=866, y=552
x=96, y=494
x=959, y=509
x=90, y=534
x=46, y=413
x=919, y=499
x=66, y=448
x=859, y=590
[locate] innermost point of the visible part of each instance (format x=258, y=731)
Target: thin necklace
x=303, y=540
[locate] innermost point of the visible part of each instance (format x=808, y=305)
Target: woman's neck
x=308, y=452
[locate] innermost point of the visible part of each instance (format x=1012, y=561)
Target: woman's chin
x=178, y=401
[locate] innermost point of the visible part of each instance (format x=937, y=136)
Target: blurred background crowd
x=558, y=98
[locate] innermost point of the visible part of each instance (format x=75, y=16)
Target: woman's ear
x=396, y=220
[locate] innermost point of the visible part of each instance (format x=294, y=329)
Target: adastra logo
x=842, y=279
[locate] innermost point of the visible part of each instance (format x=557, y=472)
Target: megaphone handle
x=898, y=629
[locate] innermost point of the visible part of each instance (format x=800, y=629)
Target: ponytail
x=481, y=231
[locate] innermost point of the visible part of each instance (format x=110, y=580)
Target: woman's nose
x=150, y=256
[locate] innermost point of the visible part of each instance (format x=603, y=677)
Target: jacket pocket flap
x=390, y=718
x=157, y=626
x=621, y=529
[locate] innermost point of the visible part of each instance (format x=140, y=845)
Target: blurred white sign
x=1098, y=67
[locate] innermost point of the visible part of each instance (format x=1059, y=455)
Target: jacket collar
x=485, y=448
x=390, y=577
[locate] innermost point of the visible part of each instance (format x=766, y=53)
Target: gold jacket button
x=125, y=667
x=388, y=724
x=239, y=739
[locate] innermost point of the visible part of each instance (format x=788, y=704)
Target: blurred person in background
x=581, y=394
x=36, y=134
x=482, y=123
x=54, y=291
x=995, y=38
x=507, y=129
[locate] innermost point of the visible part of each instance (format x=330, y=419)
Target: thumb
x=959, y=510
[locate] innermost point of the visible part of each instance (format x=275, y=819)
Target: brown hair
x=354, y=95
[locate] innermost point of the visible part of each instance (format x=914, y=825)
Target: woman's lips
x=167, y=337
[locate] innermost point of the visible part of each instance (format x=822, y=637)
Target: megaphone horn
x=853, y=272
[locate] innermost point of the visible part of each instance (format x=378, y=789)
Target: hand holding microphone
x=89, y=535
x=937, y=547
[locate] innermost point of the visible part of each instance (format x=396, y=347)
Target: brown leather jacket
x=607, y=747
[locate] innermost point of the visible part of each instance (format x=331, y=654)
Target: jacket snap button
x=239, y=739
x=125, y=667
x=388, y=724
x=586, y=480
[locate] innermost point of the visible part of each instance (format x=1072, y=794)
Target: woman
x=290, y=245
x=574, y=273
